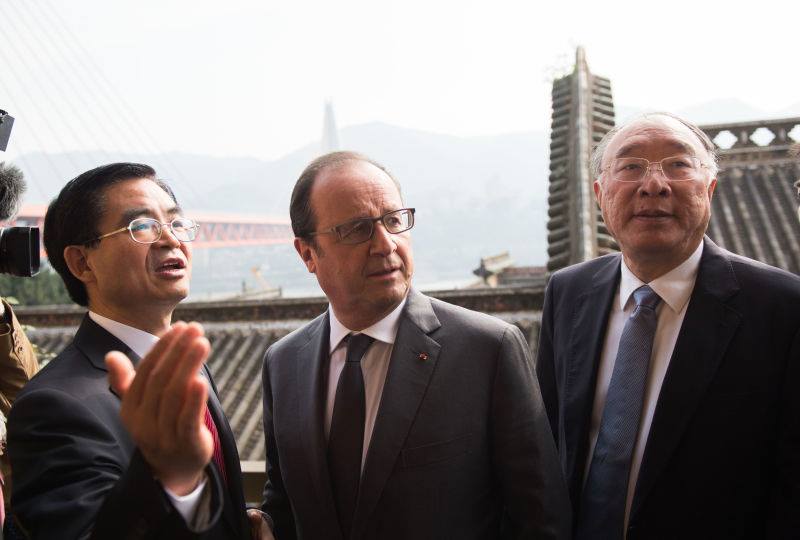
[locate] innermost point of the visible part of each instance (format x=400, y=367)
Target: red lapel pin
x=423, y=356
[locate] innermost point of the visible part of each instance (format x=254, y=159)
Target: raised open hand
x=163, y=405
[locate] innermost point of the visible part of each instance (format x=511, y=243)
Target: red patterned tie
x=218, y=459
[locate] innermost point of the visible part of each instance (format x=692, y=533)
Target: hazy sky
x=249, y=78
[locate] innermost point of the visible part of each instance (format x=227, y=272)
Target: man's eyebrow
x=626, y=150
x=133, y=213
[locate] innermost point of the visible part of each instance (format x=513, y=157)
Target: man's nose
x=382, y=241
x=168, y=237
x=652, y=183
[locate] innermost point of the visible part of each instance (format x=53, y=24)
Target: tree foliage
x=44, y=288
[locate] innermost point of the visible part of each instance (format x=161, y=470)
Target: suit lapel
x=708, y=326
x=94, y=342
x=588, y=329
x=309, y=422
x=406, y=382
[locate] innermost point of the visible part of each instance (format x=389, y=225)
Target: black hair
x=73, y=216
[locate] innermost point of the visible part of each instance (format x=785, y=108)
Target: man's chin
x=178, y=293
x=392, y=296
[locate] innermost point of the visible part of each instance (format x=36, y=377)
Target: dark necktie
x=217, y=457
x=346, y=440
x=602, y=510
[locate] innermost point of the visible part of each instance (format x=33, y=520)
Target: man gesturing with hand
x=149, y=455
x=167, y=387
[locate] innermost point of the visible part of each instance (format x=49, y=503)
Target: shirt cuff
x=193, y=507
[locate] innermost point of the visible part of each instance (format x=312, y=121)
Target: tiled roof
x=237, y=347
x=754, y=213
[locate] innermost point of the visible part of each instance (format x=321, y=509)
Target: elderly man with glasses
x=671, y=371
x=394, y=415
x=152, y=455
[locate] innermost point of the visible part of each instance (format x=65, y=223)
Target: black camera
x=19, y=251
x=19, y=246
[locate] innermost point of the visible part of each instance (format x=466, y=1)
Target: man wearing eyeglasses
x=151, y=455
x=670, y=371
x=394, y=415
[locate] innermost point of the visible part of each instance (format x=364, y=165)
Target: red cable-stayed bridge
x=216, y=229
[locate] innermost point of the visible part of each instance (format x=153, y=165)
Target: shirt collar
x=675, y=287
x=139, y=341
x=384, y=330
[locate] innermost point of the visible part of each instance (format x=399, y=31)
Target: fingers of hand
x=191, y=430
x=182, y=387
x=176, y=366
x=152, y=360
x=120, y=372
x=259, y=529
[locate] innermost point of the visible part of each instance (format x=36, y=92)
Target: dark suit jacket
x=460, y=449
x=76, y=471
x=722, y=458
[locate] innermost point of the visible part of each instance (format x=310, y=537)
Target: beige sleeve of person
x=18, y=361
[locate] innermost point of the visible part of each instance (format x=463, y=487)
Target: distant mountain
x=475, y=196
x=718, y=111
x=790, y=111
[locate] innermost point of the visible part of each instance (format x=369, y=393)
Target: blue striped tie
x=602, y=510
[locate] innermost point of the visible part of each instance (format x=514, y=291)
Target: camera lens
x=19, y=251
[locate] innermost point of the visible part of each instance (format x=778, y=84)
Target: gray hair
x=596, y=161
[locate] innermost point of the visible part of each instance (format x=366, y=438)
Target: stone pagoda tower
x=330, y=133
x=583, y=111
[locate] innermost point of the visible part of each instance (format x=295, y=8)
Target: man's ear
x=711, y=186
x=598, y=191
x=78, y=264
x=305, y=250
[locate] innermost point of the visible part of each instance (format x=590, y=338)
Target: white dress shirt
x=374, y=366
x=141, y=342
x=675, y=288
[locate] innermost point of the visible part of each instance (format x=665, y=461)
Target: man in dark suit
x=435, y=428
x=152, y=456
x=670, y=371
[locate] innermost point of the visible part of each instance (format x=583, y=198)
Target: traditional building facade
x=583, y=111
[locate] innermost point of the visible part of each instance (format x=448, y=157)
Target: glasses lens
x=629, y=169
x=184, y=229
x=145, y=230
x=355, y=232
x=398, y=221
x=680, y=168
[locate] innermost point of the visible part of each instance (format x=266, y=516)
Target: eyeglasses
x=361, y=230
x=148, y=230
x=674, y=168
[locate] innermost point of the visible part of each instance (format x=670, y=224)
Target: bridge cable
x=128, y=113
